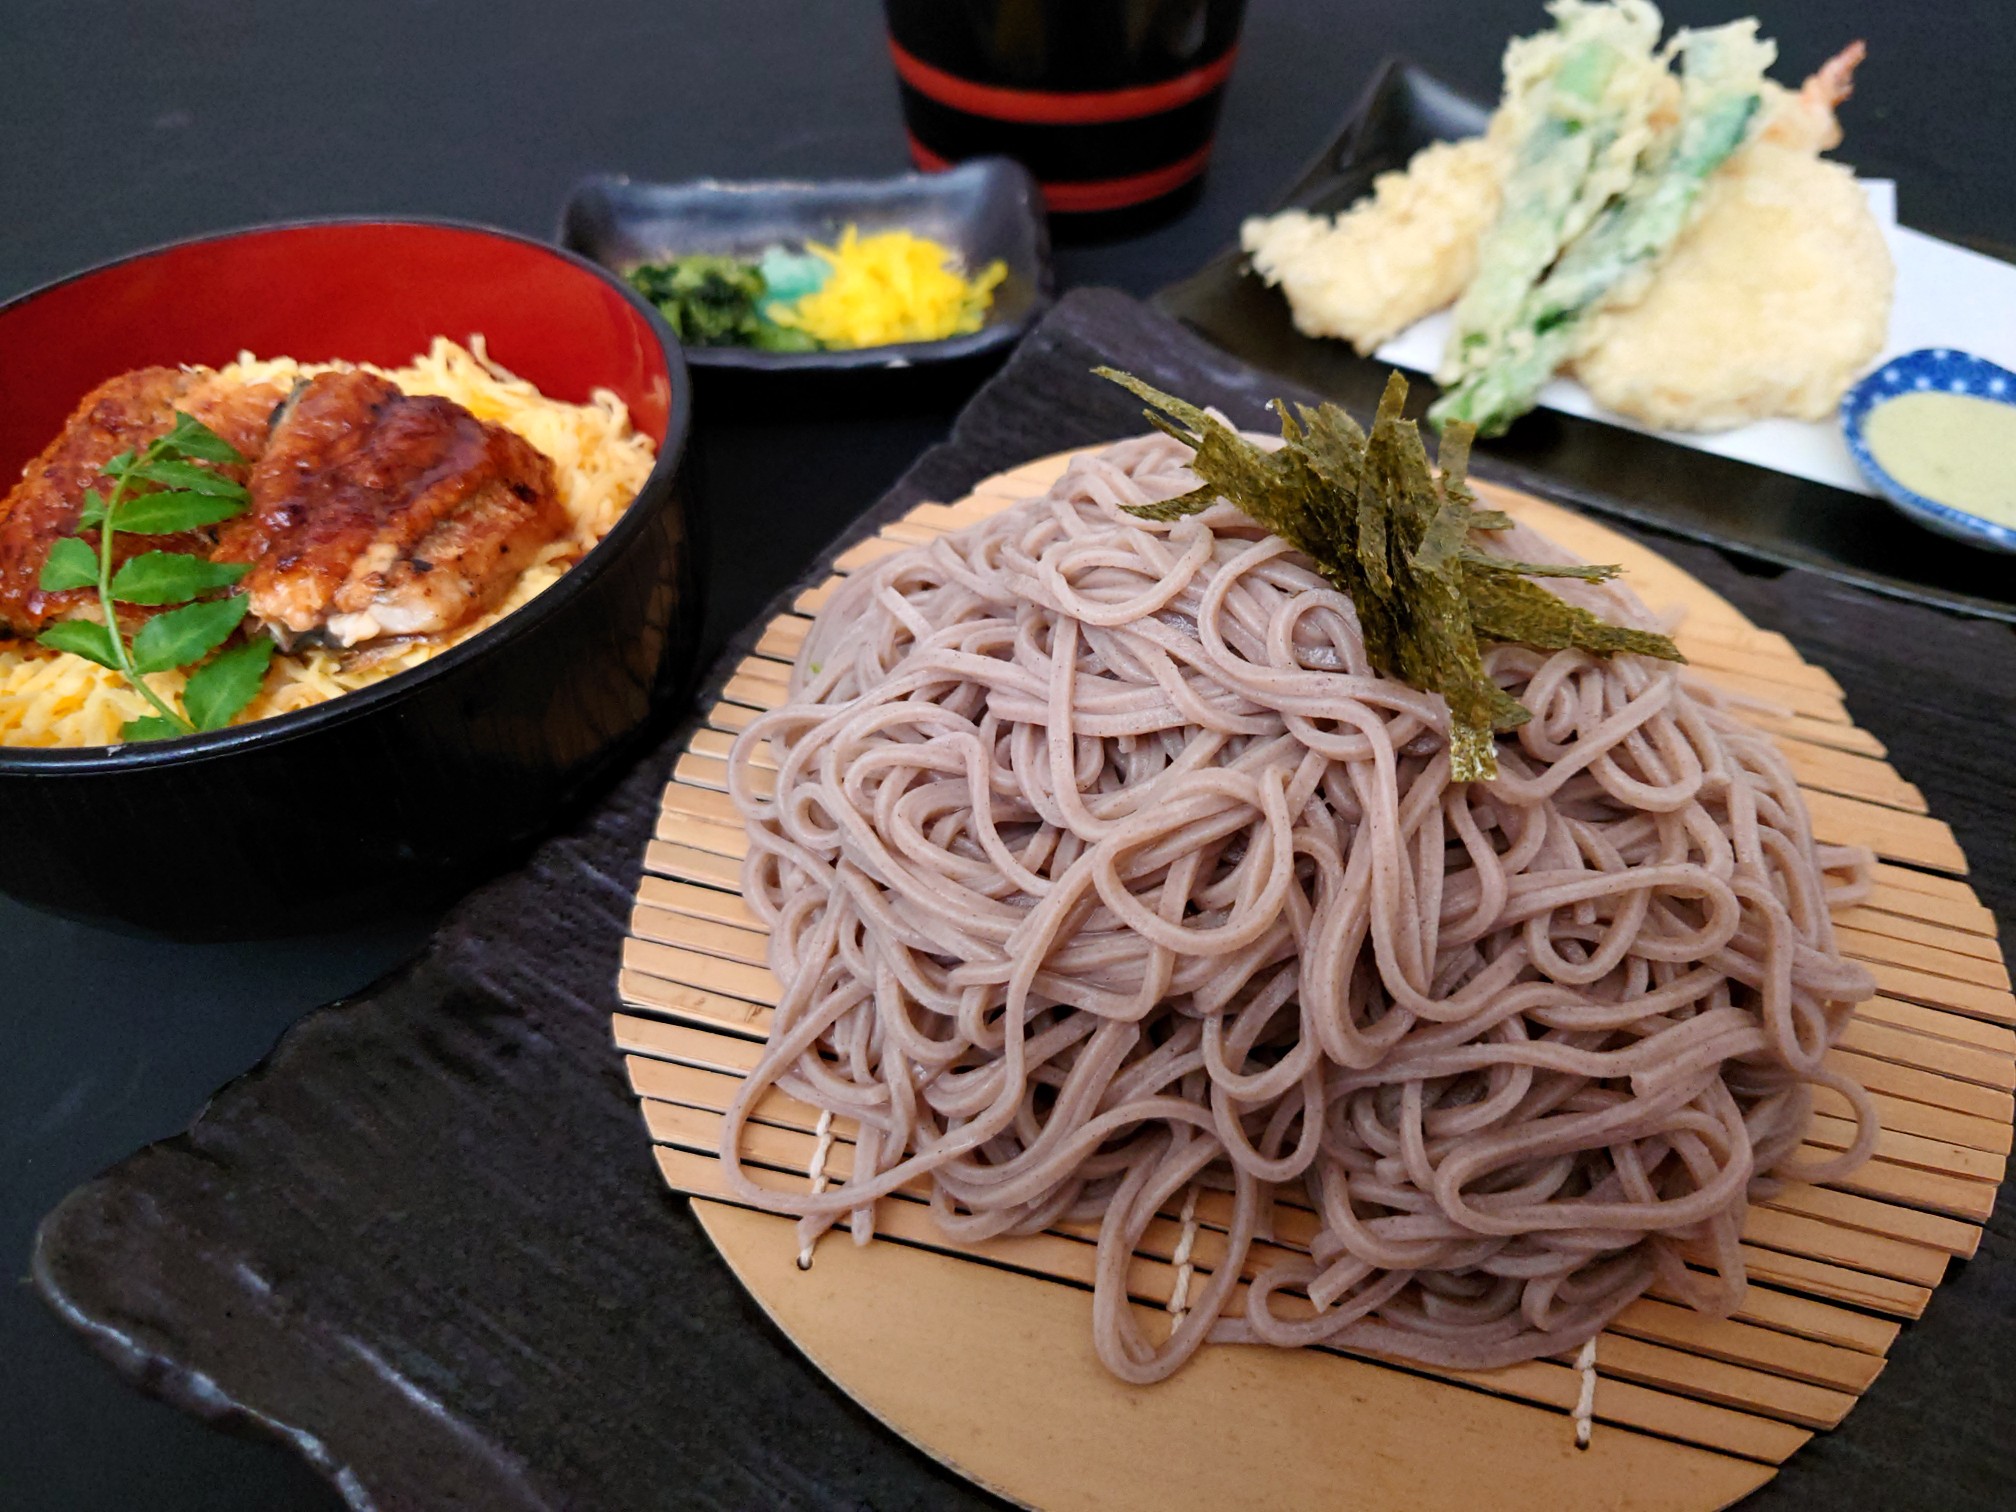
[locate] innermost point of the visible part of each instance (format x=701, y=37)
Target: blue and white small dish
x=1928, y=370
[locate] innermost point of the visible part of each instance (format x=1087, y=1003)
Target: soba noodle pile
x=1101, y=868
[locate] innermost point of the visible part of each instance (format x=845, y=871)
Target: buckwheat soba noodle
x=1101, y=870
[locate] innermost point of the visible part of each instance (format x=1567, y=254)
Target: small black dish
x=1752, y=511
x=412, y=788
x=985, y=209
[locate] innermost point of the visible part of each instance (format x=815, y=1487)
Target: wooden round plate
x=981, y=1355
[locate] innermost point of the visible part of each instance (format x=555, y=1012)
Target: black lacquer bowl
x=417, y=785
x=984, y=210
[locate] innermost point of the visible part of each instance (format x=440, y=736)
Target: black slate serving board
x=1766, y=514
x=425, y=1244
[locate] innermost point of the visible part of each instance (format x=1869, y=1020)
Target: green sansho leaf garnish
x=173, y=513
x=192, y=438
x=171, y=472
x=70, y=564
x=85, y=638
x=1384, y=529
x=170, y=577
x=150, y=727
x=162, y=490
x=181, y=636
x=225, y=684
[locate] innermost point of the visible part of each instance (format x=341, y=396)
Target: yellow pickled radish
x=888, y=287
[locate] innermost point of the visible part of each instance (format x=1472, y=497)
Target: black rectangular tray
x=1749, y=510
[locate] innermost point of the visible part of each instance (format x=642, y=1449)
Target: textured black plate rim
x=897, y=355
x=213, y=744
x=1342, y=143
x=1498, y=470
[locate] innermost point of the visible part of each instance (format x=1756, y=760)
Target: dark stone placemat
x=425, y=1242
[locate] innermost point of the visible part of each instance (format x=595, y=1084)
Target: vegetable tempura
x=1675, y=241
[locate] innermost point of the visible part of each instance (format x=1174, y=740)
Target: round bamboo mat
x=981, y=1354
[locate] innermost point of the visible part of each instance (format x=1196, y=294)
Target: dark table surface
x=126, y=126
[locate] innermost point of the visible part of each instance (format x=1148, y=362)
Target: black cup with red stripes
x=1111, y=104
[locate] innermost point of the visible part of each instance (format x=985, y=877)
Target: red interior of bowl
x=366, y=292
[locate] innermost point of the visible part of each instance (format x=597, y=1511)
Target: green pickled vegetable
x=715, y=301
x=1386, y=530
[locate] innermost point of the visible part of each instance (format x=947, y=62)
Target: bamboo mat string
x=1179, y=1294
x=1585, y=1401
x=822, y=1146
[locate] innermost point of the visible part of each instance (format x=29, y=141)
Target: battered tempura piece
x=1582, y=103
x=1406, y=249
x=1806, y=120
x=1775, y=298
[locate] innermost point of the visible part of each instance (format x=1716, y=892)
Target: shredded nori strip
x=1385, y=530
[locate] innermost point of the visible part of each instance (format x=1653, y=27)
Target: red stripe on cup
x=1078, y=197
x=1048, y=107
